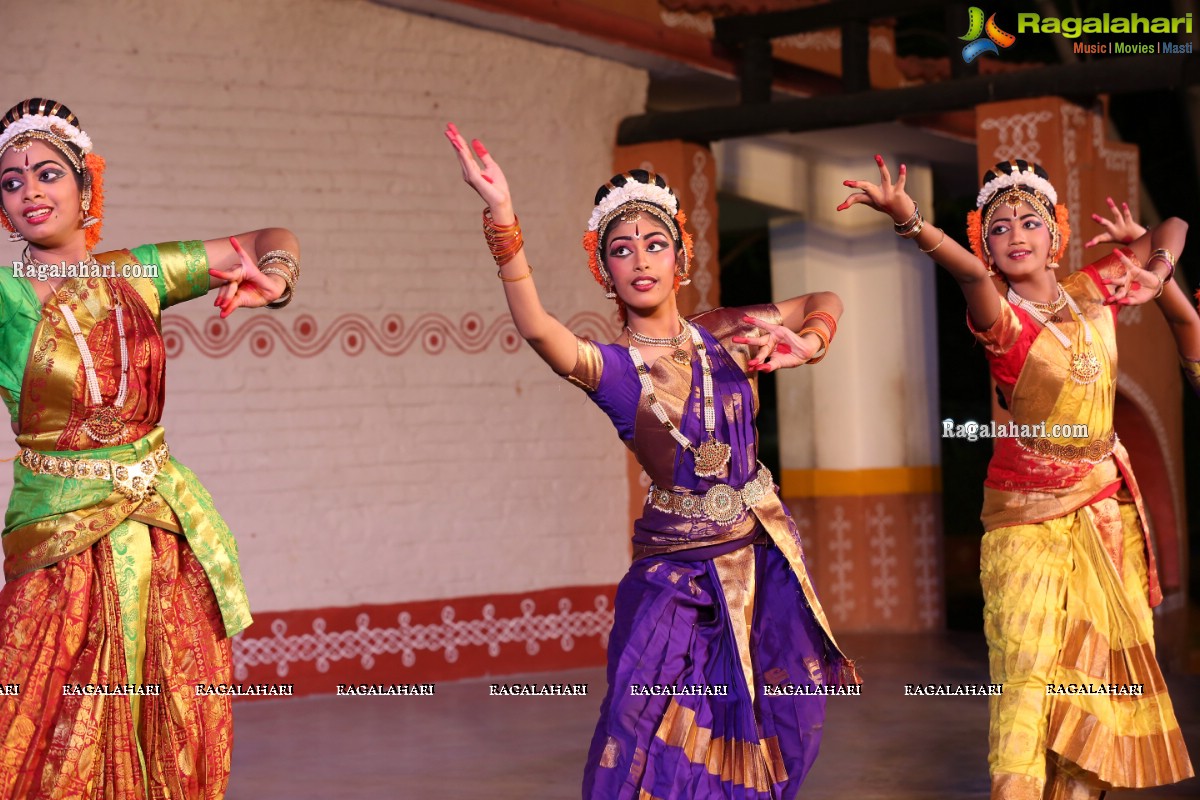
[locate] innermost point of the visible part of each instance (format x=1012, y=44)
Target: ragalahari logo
x=976, y=28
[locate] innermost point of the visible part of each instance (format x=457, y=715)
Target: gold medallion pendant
x=712, y=459
x=1085, y=367
x=681, y=356
x=104, y=425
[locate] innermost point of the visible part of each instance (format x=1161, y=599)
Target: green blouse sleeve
x=182, y=270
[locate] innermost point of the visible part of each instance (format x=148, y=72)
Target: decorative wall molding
x=427, y=641
x=391, y=335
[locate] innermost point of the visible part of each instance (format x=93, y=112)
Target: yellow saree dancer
x=1068, y=571
x=123, y=582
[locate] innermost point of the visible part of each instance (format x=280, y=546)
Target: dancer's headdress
x=1010, y=183
x=626, y=197
x=49, y=121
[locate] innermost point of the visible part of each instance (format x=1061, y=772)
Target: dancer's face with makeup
x=642, y=259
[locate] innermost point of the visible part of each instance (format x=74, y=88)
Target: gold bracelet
x=915, y=231
x=820, y=334
x=280, y=257
x=514, y=280
x=936, y=246
x=288, y=280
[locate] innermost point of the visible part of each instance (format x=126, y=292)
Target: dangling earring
x=86, y=202
x=14, y=236
x=1051, y=265
x=991, y=268
x=610, y=294
x=682, y=271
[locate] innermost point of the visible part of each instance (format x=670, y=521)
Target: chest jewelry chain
x=711, y=456
x=1084, y=367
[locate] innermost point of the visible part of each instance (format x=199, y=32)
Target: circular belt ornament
x=722, y=503
x=755, y=491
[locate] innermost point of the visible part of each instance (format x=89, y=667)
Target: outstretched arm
x=983, y=300
x=552, y=340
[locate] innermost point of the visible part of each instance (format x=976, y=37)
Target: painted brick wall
x=388, y=448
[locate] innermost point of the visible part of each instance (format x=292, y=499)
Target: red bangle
x=825, y=317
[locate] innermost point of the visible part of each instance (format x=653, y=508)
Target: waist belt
x=721, y=503
x=134, y=481
x=1093, y=452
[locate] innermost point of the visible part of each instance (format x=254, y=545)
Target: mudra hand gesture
x=888, y=198
x=779, y=348
x=247, y=286
x=1121, y=228
x=1134, y=286
x=488, y=180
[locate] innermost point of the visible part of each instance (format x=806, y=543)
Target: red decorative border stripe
x=427, y=641
x=392, y=336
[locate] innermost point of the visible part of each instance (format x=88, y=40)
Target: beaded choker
x=711, y=456
x=680, y=355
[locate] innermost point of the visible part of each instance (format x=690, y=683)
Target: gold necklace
x=680, y=355
x=711, y=456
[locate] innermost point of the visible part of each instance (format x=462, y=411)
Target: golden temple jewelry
x=1093, y=452
x=711, y=456
x=825, y=339
x=134, y=481
x=936, y=246
x=721, y=503
x=1085, y=367
x=500, y=275
x=680, y=355
x=104, y=424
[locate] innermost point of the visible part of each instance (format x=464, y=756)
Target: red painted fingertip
x=903, y=169
x=1097, y=217
x=480, y=150
x=879, y=160
x=848, y=183
x=842, y=207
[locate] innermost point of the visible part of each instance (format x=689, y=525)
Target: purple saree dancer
x=720, y=649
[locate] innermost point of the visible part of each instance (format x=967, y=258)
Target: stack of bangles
x=1165, y=255
x=911, y=228
x=289, y=270
x=825, y=338
x=505, y=241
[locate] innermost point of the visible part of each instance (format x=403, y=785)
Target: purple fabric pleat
x=672, y=628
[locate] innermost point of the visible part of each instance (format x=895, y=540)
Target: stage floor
x=463, y=744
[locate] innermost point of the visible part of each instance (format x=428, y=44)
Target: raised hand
x=1134, y=286
x=779, y=348
x=247, y=287
x=488, y=180
x=888, y=198
x=1121, y=228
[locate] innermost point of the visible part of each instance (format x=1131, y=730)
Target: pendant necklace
x=1085, y=367
x=680, y=355
x=711, y=456
x=104, y=423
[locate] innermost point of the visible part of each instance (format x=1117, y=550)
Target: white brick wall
x=370, y=478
